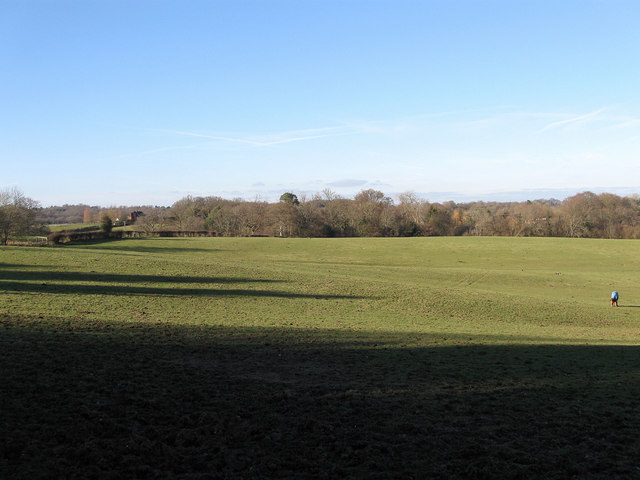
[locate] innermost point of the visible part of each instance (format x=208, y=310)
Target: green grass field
x=64, y=227
x=203, y=358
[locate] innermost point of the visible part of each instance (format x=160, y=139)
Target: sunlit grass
x=534, y=289
x=301, y=358
x=61, y=227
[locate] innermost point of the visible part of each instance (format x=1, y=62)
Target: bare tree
x=578, y=212
x=411, y=207
x=251, y=217
x=368, y=214
x=185, y=214
x=330, y=195
x=224, y=219
x=17, y=214
x=153, y=220
x=285, y=215
x=336, y=217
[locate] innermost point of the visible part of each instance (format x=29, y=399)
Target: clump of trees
x=17, y=215
x=373, y=214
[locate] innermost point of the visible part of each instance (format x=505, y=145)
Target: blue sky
x=144, y=102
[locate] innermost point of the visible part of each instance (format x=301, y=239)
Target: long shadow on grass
x=94, y=283
x=132, y=246
x=166, y=401
x=50, y=276
x=14, y=265
x=124, y=290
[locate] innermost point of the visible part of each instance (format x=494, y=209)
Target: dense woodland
x=372, y=213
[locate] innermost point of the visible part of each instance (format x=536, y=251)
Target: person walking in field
x=614, y=298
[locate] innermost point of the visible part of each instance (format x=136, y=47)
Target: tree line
x=370, y=213
x=373, y=214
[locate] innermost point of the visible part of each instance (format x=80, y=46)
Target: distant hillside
x=64, y=214
x=80, y=213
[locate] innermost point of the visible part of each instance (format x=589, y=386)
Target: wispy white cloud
x=392, y=127
x=451, y=121
x=273, y=139
x=255, y=141
x=573, y=120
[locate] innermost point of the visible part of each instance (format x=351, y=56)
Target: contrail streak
x=568, y=121
x=267, y=141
